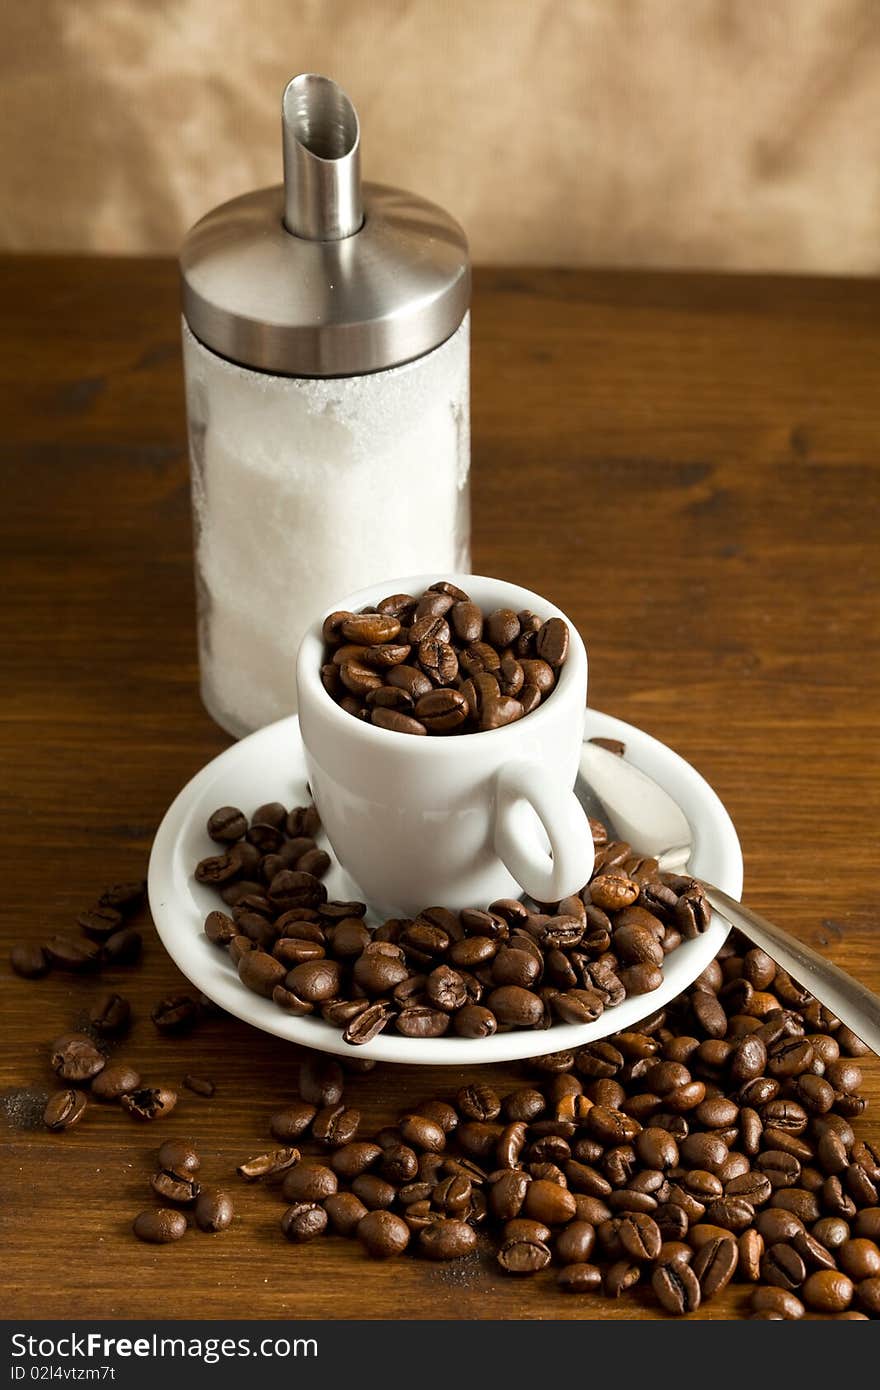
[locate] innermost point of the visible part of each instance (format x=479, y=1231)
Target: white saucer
x=270, y=766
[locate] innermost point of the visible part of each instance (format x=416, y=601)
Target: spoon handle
x=847, y=999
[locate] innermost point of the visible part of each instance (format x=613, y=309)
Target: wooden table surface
x=687, y=464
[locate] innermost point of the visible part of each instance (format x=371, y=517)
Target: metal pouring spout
x=322, y=160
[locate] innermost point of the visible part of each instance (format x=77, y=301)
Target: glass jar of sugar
x=326, y=356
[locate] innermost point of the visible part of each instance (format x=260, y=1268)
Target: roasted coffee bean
x=29, y=961
x=64, y=1109
x=320, y=1081
x=368, y=1024
x=177, y=1013
x=125, y=897
x=523, y=1256
x=171, y=1187
x=859, y=1258
x=150, y=1102
x=780, y=1302
x=640, y=1236
x=179, y=1156
x=99, y=922
x=507, y=1194
x=268, y=1165
x=552, y=642
x=304, y=1221
x=74, y=1057
x=575, y=1242
x=115, y=1081
x=580, y=1278
x=214, y=1210
x=549, y=1203
x=344, y=1212
x=227, y=825
x=69, y=954
x=714, y=1265
x=676, y=1286
x=513, y=1005
x=828, y=1291
x=783, y=1266
x=159, y=1225
x=382, y=1234
x=750, y=1247
x=448, y=1239
x=442, y=711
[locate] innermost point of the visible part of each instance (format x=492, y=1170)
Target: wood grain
x=687, y=464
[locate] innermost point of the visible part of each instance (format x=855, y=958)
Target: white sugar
x=306, y=489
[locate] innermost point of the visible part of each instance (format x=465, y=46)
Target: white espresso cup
x=456, y=820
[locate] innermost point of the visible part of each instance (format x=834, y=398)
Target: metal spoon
x=645, y=814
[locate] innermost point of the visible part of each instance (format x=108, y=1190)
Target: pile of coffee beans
x=715, y=1142
x=471, y=973
x=106, y=937
x=176, y=1180
x=436, y=664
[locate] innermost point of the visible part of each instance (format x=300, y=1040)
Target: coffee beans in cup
x=436, y=664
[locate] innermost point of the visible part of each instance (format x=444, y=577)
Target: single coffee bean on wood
x=159, y=1225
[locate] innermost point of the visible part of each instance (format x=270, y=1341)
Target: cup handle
x=545, y=877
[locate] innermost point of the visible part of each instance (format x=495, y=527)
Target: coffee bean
x=828, y=1291
x=640, y=1236
x=175, y=1014
x=159, y=1225
x=214, y=1210
x=304, y=1221
x=369, y=1024
x=549, y=1203
x=552, y=642
x=518, y=1007
x=74, y=1057
x=69, y=954
x=335, y=1125
x=580, y=1278
x=523, y=1256
x=859, y=1259
x=149, y=1103
x=122, y=948
x=99, y=922
x=677, y=1287
x=29, y=961
x=320, y=1081
x=777, y=1301
x=714, y=1265
x=382, y=1234
x=115, y=1081
x=449, y=1239
x=125, y=897
x=869, y=1296
x=64, y=1109
x=199, y=1085
x=268, y=1165
x=173, y=1188
x=344, y=1212
x=227, y=825
x=783, y=1266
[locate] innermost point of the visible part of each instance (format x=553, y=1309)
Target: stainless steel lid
x=323, y=275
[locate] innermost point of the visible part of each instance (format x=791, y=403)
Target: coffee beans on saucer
x=464, y=974
x=436, y=664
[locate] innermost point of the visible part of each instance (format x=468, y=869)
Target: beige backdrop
x=733, y=133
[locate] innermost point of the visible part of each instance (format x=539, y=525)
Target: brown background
x=726, y=133
x=688, y=465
